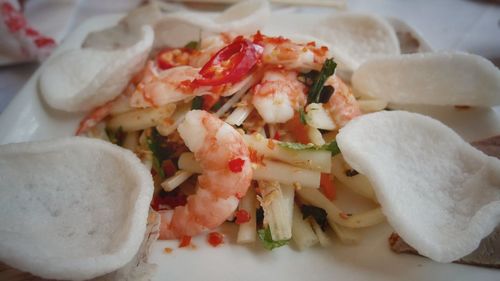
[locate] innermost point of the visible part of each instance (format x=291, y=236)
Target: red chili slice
x=230, y=64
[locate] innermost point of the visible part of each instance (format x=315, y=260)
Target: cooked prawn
x=282, y=51
x=227, y=173
x=342, y=105
x=159, y=88
x=278, y=95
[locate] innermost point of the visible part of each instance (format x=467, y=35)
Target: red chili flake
x=15, y=22
x=236, y=165
x=242, y=216
x=184, y=241
x=31, y=32
x=277, y=136
x=312, y=44
x=44, y=41
x=215, y=239
x=168, y=250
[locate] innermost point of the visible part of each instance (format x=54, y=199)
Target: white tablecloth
x=467, y=25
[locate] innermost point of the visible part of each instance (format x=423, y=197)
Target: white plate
x=28, y=118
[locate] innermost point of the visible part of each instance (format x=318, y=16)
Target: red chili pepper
x=215, y=238
x=230, y=64
x=184, y=241
x=236, y=165
x=242, y=216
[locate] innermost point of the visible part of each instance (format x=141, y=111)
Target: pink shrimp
x=158, y=88
x=291, y=55
x=278, y=95
x=227, y=173
x=342, y=105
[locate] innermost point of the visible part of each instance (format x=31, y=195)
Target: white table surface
x=466, y=25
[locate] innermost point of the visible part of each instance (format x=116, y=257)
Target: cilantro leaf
x=318, y=214
x=316, y=90
x=197, y=102
x=332, y=146
x=267, y=240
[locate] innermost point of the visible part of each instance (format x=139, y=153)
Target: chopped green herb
x=318, y=214
x=267, y=240
x=157, y=167
x=193, y=45
x=160, y=149
x=115, y=137
x=302, y=116
x=332, y=146
x=315, y=91
x=197, y=102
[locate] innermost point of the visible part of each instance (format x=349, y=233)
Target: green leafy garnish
x=115, y=137
x=316, y=90
x=193, y=45
x=318, y=214
x=161, y=152
x=197, y=102
x=302, y=116
x=267, y=240
x=332, y=146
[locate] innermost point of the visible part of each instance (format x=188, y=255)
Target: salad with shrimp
x=241, y=129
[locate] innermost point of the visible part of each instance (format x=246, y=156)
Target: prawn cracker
x=65, y=214
x=177, y=29
x=355, y=38
x=430, y=79
x=437, y=191
x=81, y=79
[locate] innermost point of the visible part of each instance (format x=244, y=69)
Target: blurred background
x=467, y=25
